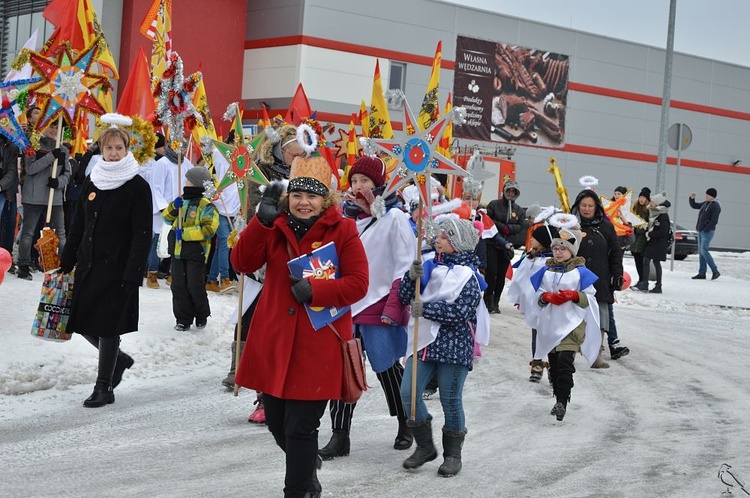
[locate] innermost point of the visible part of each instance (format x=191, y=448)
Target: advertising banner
x=512, y=94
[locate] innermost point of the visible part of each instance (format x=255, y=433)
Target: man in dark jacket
x=511, y=225
x=35, y=195
x=708, y=217
x=603, y=255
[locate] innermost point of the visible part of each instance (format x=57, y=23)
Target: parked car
x=686, y=243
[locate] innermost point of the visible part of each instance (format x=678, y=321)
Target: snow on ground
x=660, y=421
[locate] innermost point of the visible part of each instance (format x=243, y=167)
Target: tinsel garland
x=175, y=107
x=142, y=140
x=231, y=111
x=20, y=61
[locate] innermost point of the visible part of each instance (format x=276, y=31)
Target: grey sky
x=716, y=29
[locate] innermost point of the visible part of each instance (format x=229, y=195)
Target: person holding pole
x=379, y=319
x=446, y=307
x=708, y=217
x=47, y=174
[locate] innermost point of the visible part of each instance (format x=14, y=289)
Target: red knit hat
x=372, y=167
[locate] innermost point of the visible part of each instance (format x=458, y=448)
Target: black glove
x=53, y=182
x=416, y=270
x=59, y=155
x=268, y=209
x=129, y=287
x=417, y=308
x=302, y=289
x=509, y=251
x=65, y=269
x=616, y=282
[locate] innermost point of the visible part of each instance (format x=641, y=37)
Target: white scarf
x=111, y=175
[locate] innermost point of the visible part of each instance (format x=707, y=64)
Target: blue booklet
x=322, y=263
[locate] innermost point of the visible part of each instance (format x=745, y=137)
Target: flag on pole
x=157, y=27
x=380, y=121
x=206, y=129
x=444, y=147
x=76, y=23
x=136, y=97
x=26, y=71
x=364, y=119
x=299, y=108
x=352, y=148
x=430, y=111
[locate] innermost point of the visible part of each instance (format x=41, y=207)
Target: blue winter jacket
x=458, y=320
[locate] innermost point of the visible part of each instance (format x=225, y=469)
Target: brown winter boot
x=151, y=281
x=599, y=362
x=226, y=285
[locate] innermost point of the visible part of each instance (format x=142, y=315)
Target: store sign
x=512, y=94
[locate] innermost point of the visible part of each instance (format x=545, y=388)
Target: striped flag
x=157, y=27
x=379, y=119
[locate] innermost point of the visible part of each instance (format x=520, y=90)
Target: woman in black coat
x=657, y=240
x=603, y=255
x=109, y=240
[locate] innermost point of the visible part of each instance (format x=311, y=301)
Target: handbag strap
x=330, y=326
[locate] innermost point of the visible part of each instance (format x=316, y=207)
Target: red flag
x=299, y=108
x=63, y=15
x=136, y=96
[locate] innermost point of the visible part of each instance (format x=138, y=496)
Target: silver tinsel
x=459, y=115
x=431, y=230
x=377, y=208
x=176, y=86
x=231, y=111
x=239, y=224
x=209, y=189
x=272, y=135
x=395, y=97
x=368, y=148
x=207, y=145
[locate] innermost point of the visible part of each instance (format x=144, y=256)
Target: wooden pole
x=238, y=336
x=415, y=352
x=54, y=169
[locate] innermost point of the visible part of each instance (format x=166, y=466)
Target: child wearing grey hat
x=194, y=221
x=568, y=315
x=447, y=309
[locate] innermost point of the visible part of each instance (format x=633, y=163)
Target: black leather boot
x=124, y=362
x=338, y=446
x=425, y=451
x=101, y=396
x=404, y=438
x=452, y=444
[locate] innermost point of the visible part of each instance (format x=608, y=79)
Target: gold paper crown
x=315, y=168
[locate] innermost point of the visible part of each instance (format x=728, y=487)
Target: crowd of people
x=110, y=215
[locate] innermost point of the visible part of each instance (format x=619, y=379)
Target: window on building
x=397, y=78
x=18, y=20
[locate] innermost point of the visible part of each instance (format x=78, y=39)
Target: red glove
x=569, y=295
x=553, y=298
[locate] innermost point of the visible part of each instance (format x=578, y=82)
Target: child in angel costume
x=521, y=293
x=451, y=293
x=568, y=314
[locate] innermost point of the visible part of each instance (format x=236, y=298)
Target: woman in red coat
x=297, y=368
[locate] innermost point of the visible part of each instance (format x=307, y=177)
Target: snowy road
x=660, y=421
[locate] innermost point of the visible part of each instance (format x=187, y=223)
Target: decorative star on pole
x=241, y=165
x=10, y=91
x=418, y=155
x=66, y=85
x=175, y=107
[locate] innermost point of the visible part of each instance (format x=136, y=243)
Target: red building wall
x=211, y=33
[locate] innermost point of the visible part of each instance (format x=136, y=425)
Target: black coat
x=658, y=242
x=8, y=167
x=601, y=249
x=509, y=214
x=109, y=240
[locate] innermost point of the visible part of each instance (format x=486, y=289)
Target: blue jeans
x=220, y=264
x=153, y=259
x=704, y=257
x=450, y=379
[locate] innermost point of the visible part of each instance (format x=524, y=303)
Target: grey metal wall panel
x=273, y=18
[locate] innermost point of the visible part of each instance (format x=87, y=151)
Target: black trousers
x=638, y=258
x=562, y=368
x=342, y=413
x=294, y=425
x=189, y=297
x=497, y=266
